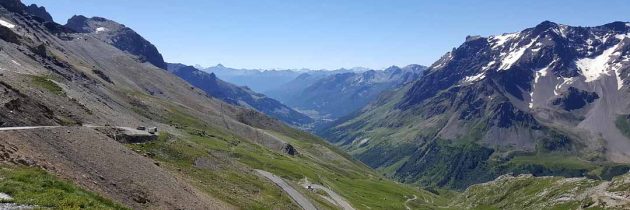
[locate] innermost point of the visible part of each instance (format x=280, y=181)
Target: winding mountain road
x=128, y=130
x=409, y=200
x=294, y=194
x=26, y=128
x=341, y=202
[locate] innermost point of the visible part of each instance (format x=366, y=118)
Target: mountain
x=263, y=80
x=39, y=12
x=119, y=36
x=72, y=105
x=236, y=95
x=288, y=90
x=549, y=100
x=71, y=102
x=333, y=96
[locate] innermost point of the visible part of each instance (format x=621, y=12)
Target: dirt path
x=409, y=200
x=294, y=194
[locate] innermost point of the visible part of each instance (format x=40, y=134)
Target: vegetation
x=30, y=186
x=623, y=124
x=528, y=192
x=47, y=84
x=230, y=177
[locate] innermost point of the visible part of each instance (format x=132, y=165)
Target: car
x=153, y=130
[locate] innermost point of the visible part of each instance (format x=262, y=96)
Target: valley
x=93, y=117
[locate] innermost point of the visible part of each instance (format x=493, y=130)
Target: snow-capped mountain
x=549, y=90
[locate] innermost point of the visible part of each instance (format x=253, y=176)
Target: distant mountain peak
x=213, y=76
x=40, y=12
x=122, y=37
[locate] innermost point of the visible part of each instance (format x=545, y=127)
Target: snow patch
x=514, y=56
x=6, y=24
x=537, y=75
x=487, y=66
x=502, y=39
x=444, y=61
x=594, y=68
x=101, y=29
x=565, y=82
x=16, y=63
x=475, y=78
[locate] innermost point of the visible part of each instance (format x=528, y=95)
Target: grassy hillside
x=34, y=187
x=221, y=164
x=527, y=192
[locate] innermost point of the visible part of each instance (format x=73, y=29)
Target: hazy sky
x=327, y=33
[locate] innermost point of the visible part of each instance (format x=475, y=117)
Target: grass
x=527, y=193
x=623, y=124
x=231, y=179
x=47, y=84
x=30, y=186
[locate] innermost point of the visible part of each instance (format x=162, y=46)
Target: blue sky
x=327, y=33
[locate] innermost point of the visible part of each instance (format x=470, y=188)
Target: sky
x=327, y=34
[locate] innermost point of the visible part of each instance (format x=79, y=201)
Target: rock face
x=13, y=5
x=242, y=96
x=493, y=102
x=118, y=35
x=40, y=12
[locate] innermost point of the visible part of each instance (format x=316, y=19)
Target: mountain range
x=92, y=117
x=548, y=100
x=261, y=80
x=329, y=97
x=237, y=95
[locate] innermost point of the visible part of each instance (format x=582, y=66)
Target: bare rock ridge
x=39, y=12
x=118, y=35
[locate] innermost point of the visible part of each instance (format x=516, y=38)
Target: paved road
x=128, y=130
x=409, y=200
x=341, y=202
x=294, y=194
x=26, y=128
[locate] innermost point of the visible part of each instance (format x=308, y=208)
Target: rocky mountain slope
x=549, y=100
x=330, y=97
x=236, y=95
x=118, y=35
x=40, y=12
x=528, y=192
x=206, y=151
